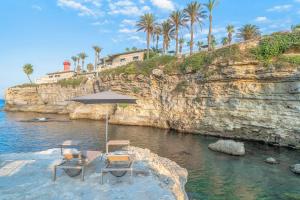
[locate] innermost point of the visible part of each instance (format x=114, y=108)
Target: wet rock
x=229, y=147
x=271, y=160
x=295, y=168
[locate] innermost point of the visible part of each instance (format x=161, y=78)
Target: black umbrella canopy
x=107, y=97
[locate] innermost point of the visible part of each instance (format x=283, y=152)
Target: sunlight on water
x=211, y=175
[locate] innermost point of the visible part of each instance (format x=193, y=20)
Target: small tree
x=225, y=41
x=248, y=32
x=199, y=45
x=82, y=56
x=74, y=59
x=28, y=70
x=90, y=67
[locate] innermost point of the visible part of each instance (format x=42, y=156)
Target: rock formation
x=229, y=147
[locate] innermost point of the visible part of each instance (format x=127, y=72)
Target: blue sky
x=46, y=32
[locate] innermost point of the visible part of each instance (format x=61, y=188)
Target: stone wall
x=243, y=100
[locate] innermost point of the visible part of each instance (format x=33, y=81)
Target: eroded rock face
x=229, y=147
x=242, y=100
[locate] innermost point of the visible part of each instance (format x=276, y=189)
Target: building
x=57, y=76
x=120, y=59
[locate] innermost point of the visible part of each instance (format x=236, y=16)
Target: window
x=50, y=76
x=57, y=75
x=135, y=58
x=123, y=60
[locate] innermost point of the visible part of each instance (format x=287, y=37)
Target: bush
x=142, y=67
x=295, y=60
x=196, y=62
x=275, y=45
x=74, y=82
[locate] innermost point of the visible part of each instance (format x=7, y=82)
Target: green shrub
x=136, y=90
x=196, y=62
x=275, y=45
x=142, y=67
x=295, y=60
x=26, y=85
x=74, y=82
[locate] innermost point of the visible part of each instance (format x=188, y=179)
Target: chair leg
x=54, y=173
x=82, y=174
x=101, y=177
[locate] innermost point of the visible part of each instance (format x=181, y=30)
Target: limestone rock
x=271, y=160
x=229, y=147
x=157, y=72
x=295, y=168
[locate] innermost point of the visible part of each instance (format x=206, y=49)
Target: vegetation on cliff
x=272, y=49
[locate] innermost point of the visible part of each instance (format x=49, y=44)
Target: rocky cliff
x=240, y=100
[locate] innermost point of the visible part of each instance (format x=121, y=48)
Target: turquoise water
x=211, y=175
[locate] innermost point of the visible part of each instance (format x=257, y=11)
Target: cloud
x=96, y=3
x=127, y=30
x=261, y=19
x=297, y=1
x=36, y=7
x=163, y=4
x=280, y=8
x=83, y=10
x=126, y=7
x=98, y=23
x=128, y=22
x=137, y=39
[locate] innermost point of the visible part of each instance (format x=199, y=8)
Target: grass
x=74, y=82
x=26, y=85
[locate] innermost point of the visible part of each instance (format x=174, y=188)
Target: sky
x=46, y=32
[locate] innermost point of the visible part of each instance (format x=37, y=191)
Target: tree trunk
x=82, y=67
x=148, y=44
x=176, y=40
x=209, y=33
x=157, y=39
x=96, y=60
x=192, y=38
x=29, y=79
x=229, y=38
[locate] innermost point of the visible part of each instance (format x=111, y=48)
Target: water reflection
x=211, y=175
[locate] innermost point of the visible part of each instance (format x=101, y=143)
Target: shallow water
x=211, y=175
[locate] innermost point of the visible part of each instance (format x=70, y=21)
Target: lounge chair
x=118, y=165
x=74, y=162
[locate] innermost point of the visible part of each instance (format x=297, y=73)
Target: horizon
x=45, y=33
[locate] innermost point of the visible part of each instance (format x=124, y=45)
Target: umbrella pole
x=106, y=131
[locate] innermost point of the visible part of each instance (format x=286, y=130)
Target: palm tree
x=248, y=32
x=147, y=24
x=90, y=67
x=194, y=13
x=181, y=43
x=199, y=45
x=177, y=19
x=82, y=56
x=97, y=50
x=210, y=7
x=225, y=41
x=28, y=70
x=157, y=33
x=230, y=30
x=74, y=58
x=167, y=33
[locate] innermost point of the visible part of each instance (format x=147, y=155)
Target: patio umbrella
x=107, y=97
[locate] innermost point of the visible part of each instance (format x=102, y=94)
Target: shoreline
x=204, y=134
